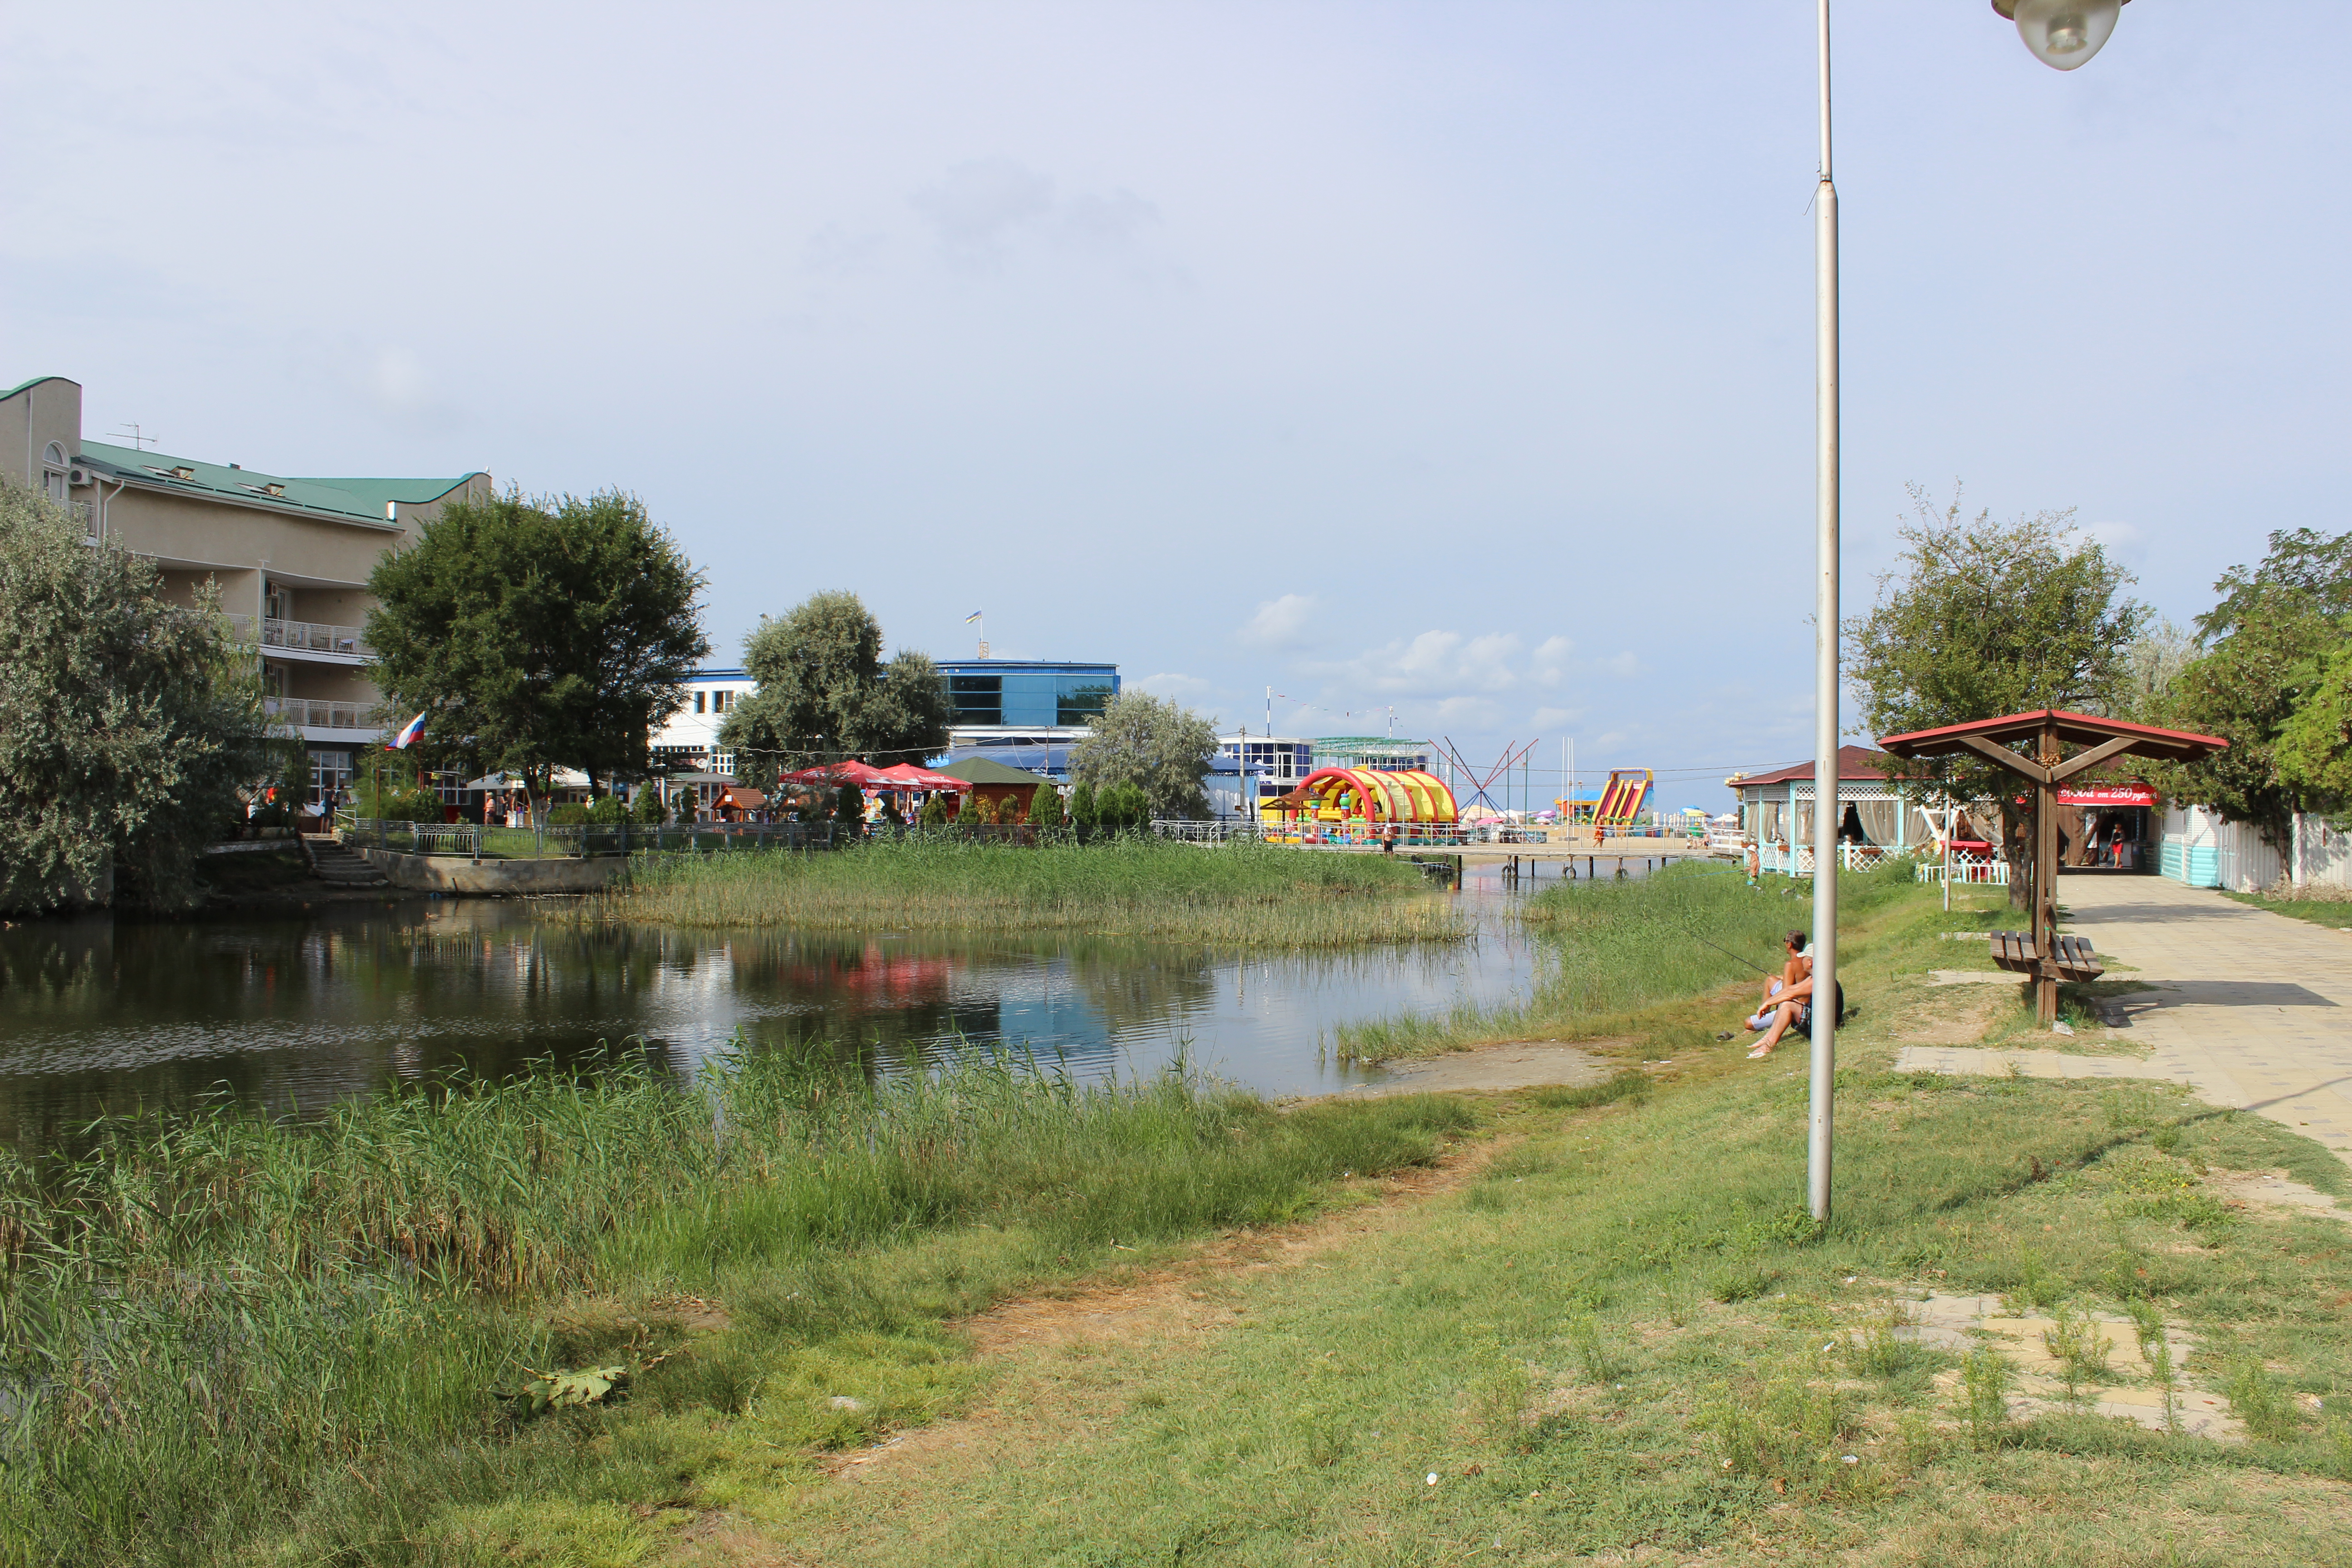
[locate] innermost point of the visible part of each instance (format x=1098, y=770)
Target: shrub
x=650, y=811
x=606, y=810
x=571, y=814
x=1045, y=807
x=1082, y=806
x=934, y=813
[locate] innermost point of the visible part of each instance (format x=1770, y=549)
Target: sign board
x=2108, y=794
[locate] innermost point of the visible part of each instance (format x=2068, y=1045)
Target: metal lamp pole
x=2063, y=35
x=1826, y=813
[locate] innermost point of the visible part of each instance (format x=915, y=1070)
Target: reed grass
x=219, y=1330
x=1610, y=950
x=1239, y=894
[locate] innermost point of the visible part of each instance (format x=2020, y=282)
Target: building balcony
x=326, y=719
x=314, y=641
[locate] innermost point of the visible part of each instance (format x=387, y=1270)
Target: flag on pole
x=408, y=733
x=971, y=618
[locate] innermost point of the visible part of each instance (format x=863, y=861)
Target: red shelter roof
x=862, y=775
x=1853, y=762
x=2073, y=730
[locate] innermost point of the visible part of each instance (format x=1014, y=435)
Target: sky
x=1450, y=359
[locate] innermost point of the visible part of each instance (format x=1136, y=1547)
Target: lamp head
x=2063, y=34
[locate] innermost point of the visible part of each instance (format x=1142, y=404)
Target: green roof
x=355, y=500
x=982, y=771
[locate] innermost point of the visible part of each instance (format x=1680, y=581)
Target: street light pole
x=1827, y=817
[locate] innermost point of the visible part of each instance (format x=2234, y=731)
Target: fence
x=1968, y=867
x=1409, y=834
x=1777, y=859
x=580, y=841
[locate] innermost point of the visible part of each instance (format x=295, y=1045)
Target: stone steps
x=339, y=865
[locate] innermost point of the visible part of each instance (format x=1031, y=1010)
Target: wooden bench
x=2013, y=950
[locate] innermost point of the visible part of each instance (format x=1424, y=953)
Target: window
x=331, y=775
x=723, y=702
x=54, y=478
x=1080, y=698
x=699, y=700
x=978, y=698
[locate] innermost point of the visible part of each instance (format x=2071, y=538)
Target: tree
x=2266, y=683
x=1982, y=619
x=935, y=811
x=1154, y=743
x=539, y=632
x=1045, y=807
x=128, y=723
x=849, y=805
x=824, y=693
x=1082, y=805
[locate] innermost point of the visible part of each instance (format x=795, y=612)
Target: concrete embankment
x=457, y=874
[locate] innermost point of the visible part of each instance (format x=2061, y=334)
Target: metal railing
x=331, y=714
x=575, y=841
x=1416, y=834
x=314, y=637
x=1777, y=860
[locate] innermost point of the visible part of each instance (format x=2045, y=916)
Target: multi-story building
x=1025, y=713
x=687, y=741
x=290, y=556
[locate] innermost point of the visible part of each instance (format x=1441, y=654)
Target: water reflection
x=296, y=1013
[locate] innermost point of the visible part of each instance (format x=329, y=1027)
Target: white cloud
x=1624, y=666
x=1445, y=665
x=1280, y=622
x=978, y=203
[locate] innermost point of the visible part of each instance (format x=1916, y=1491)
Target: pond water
x=292, y=1014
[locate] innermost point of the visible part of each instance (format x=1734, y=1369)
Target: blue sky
x=1457, y=358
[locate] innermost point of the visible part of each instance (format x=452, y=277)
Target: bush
x=606, y=810
x=398, y=803
x=1045, y=807
x=571, y=814
x=1082, y=806
x=650, y=811
x=935, y=812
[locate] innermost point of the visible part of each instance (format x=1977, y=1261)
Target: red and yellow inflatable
x=1343, y=800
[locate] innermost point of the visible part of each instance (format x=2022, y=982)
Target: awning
x=564, y=778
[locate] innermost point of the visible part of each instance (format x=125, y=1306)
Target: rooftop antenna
x=140, y=440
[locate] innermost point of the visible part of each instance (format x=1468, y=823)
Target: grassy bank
x=227, y=1339
x=1241, y=894
x=2316, y=908
x=1609, y=951
x=1623, y=1341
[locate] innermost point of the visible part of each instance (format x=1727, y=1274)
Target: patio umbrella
x=909, y=776
x=862, y=775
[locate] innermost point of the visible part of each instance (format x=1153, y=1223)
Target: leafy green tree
x=1045, y=807
x=934, y=813
x=824, y=693
x=2263, y=684
x=849, y=805
x=1082, y=806
x=1157, y=745
x=1980, y=618
x=2315, y=747
x=977, y=811
x=650, y=811
x=535, y=633
x=128, y=723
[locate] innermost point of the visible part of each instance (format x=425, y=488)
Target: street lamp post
x=1826, y=816
x=2063, y=35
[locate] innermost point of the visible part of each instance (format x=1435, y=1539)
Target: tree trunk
x=2017, y=848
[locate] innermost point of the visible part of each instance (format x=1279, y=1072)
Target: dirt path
x=1514, y=1064
x=1068, y=1362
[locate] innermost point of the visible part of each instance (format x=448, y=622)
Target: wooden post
x=2045, y=881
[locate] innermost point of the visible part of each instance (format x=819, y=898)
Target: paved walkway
x=2250, y=1009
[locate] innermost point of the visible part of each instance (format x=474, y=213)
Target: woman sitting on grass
x=1797, y=968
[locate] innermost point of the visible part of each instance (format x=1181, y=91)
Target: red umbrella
x=859, y=773
x=912, y=777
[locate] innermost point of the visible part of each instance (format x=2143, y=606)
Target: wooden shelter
x=996, y=784
x=2046, y=732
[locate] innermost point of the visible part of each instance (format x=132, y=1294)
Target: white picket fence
x=1968, y=867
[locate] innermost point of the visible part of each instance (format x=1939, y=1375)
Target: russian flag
x=408, y=733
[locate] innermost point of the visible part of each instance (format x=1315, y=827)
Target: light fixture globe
x=2063, y=34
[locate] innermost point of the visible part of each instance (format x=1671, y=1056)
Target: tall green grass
x=1611, y=949
x=218, y=1329
x=1240, y=894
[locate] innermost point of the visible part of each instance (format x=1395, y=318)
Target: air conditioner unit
x=79, y=476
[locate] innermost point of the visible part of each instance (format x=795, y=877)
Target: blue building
x=1022, y=712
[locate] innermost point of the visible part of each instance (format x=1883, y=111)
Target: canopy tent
x=863, y=774
x=907, y=775
x=563, y=778
x=2047, y=731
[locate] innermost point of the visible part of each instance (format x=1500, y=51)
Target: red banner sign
x=2108, y=794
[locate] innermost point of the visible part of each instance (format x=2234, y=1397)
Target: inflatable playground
x=1618, y=805
x=1362, y=806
